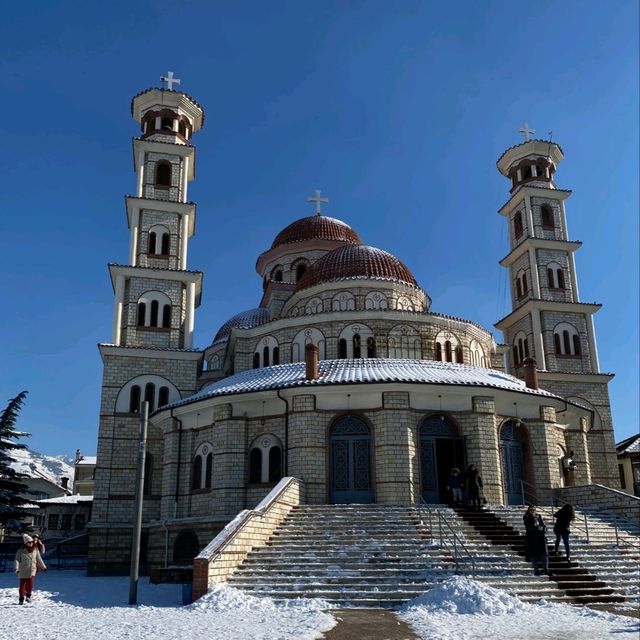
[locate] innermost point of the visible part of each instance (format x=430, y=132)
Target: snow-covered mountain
x=36, y=465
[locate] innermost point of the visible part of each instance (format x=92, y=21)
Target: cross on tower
x=170, y=80
x=526, y=131
x=318, y=200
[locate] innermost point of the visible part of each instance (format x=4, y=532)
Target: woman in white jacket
x=27, y=563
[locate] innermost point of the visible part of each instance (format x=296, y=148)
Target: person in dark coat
x=474, y=486
x=535, y=541
x=454, y=484
x=564, y=517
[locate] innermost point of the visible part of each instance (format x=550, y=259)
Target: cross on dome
x=526, y=131
x=170, y=80
x=318, y=200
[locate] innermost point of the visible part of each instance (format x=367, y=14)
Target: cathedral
x=341, y=376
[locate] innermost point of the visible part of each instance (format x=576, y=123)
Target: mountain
x=36, y=464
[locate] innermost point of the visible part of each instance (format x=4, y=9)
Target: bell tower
x=151, y=356
x=548, y=321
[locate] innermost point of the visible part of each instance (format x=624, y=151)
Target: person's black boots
x=28, y=597
x=21, y=600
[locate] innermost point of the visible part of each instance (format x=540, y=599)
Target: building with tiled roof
x=628, y=452
x=341, y=375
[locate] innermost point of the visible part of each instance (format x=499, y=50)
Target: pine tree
x=11, y=502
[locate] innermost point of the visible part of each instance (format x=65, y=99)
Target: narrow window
x=150, y=394
x=550, y=279
x=577, y=349
x=525, y=288
x=163, y=174
x=166, y=316
x=255, y=465
x=342, y=348
x=163, y=396
x=256, y=360
x=142, y=312
x=356, y=345
x=517, y=224
x=153, y=320
x=371, y=347
x=520, y=350
x=276, y=355
x=182, y=129
x=196, y=473
x=566, y=341
x=560, y=275
x=459, y=357
x=275, y=464
x=164, y=250
x=542, y=171
x=547, y=217
x=300, y=269
x=265, y=357
x=277, y=276
x=516, y=359
x=556, y=342
x=208, y=471
x=438, y=351
x=518, y=288
x=134, y=399
x=447, y=351
x=526, y=348
x=526, y=172
x=152, y=242
x=151, y=124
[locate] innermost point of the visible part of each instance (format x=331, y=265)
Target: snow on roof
x=66, y=500
x=630, y=445
x=87, y=460
x=361, y=371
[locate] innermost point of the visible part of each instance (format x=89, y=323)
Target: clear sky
x=398, y=111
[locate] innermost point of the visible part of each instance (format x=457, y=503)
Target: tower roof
x=541, y=148
x=145, y=100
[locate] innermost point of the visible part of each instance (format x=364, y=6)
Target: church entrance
x=440, y=450
x=350, y=461
x=512, y=462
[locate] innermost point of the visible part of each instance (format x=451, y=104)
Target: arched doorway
x=511, y=450
x=440, y=450
x=350, y=461
x=185, y=547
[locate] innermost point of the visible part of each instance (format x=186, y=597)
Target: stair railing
x=556, y=503
x=530, y=490
x=623, y=521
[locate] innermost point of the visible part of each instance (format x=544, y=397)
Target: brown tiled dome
x=354, y=262
x=242, y=320
x=316, y=227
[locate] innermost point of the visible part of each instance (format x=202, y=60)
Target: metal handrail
x=532, y=493
x=616, y=518
x=556, y=502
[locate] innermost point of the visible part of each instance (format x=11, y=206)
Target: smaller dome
x=317, y=228
x=242, y=320
x=356, y=262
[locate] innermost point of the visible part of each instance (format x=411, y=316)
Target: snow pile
x=462, y=595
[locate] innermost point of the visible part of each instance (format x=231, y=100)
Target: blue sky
x=398, y=111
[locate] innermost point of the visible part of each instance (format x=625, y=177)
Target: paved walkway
x=368, y=624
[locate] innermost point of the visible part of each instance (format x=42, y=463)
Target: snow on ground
x=460, y=608
x=67, y=604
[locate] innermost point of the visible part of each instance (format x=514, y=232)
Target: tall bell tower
x=548, y=320
x=150, y=356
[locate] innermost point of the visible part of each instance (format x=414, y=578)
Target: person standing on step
x=474, y=486
x=535, y=541
x=454, y=484
x=26, y=564
x=564, y=517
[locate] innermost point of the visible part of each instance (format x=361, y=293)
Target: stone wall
x=601, y=497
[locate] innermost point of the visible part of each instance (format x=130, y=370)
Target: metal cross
x=526, y=131
x=318, y=200
x=170, y=80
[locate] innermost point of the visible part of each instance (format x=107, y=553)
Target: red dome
x=355, y=262
x=316, y=227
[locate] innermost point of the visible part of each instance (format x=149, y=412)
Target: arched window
x=276, y=355
x=546, y=213
x=476, y=352
x=356, y=345
x=142, y=313
x=163, y=174
x=344, y=301
x=182, y=129
x=459, y=355
x=164, y=249
x=577, y=348
x=134, y=399
x=278, y=275
x=566, y=341
x=265, y=357
x=371, y=347
x=550, y=279
x=520, y=348
x=166, y=316
x=447, y=351
x=153, y=319
x=152, y=242
x=526, y=172
x=438, y=351
x=208, y=471
x=404, y=342
x=525, y=286
x=255, y=465
x=150, y=395
x=517, y=224
x=163, y=396
x=518, y=288
x=560, y=277
x=196, y=473
x=342, y=348
x=256, y=360
x=300, y=269
x=556, y=343
x=375, y=300
x=166, y=124
x=542, y=170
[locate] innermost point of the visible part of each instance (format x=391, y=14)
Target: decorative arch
x=159, y=240
x=596, y=420
x=448, y=347
x=547, y=217
x=267, y=352
x=520, y=348
x=313, y=306
x=185, y=547
x=566, y=340
x=555, y=276
x=146, y=387
x=343, y=301
x=299, y=268
x=376, y=300
x=310, y=335
x=359, y=341
x=277, y=273
x=404, y=304
x=265, y=459
x=404, y=342
x=154, y=310
x=518, y=228
x=162, y=178
x=202, y=467
x=477, y=354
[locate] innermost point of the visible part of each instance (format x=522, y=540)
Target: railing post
x=586, y=526
x=522, y=492
x=440, y=527
x=615, y=524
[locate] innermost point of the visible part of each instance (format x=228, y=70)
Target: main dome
x=317, y=228
x=242, y=320
x=356, y=262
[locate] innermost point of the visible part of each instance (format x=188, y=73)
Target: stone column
x=576, y=440
x=185, y=177
x=543, y=456
x=184, y=241
x=135, y=228
x=230, y=452
x=189, y=315
x=117, y=311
